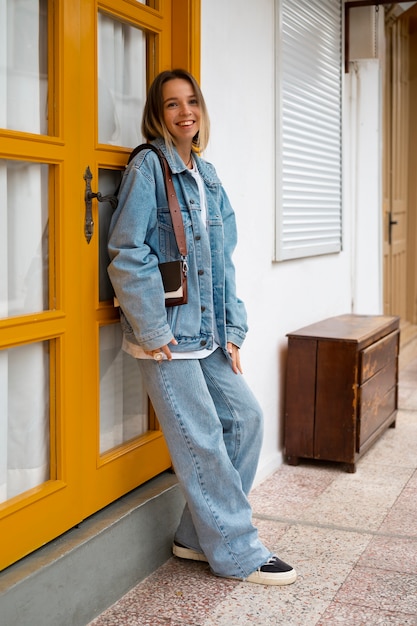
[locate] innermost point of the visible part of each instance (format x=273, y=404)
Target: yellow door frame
x=43, y=513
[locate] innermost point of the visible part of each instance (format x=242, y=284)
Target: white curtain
x=123, y=399
x=3, y=313
x=122, y=92
x=121, y=81
x=24, y=370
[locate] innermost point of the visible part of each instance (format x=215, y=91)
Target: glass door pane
x=24, y=418
x=121, y=81
x=24, y=255
x=24, y=65
x=123, y=400
x=124, y=413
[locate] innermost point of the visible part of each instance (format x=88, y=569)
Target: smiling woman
x=188, y=355
x=181, y=115
x=176, y=99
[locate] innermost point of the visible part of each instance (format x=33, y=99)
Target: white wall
x=237, y=76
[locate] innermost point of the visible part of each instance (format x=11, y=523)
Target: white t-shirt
x=137, y=351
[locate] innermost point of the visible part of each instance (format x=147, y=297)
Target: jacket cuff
x=235, y=336
x=157, y=339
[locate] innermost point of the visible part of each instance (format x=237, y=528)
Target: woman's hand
x=159, y=353
x=235, y=356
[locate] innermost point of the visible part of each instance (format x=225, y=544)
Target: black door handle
x=88, y=197
x=390, y=225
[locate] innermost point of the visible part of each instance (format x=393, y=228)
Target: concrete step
x=76, y=577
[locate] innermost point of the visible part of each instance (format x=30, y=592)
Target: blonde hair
x=153, y=124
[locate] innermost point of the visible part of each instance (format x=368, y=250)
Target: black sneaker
x=187, y=553
x=273, y=572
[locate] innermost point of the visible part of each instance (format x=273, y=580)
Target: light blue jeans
x=213, y=427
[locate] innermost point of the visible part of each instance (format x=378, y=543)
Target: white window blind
x=309, y=75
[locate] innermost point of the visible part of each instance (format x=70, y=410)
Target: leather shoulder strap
x=174, y=207
x=144, y=146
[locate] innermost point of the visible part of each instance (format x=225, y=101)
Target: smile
x=188, y=123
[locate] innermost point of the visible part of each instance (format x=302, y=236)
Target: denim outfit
x=211, y=421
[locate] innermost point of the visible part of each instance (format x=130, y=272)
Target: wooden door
x=412, y=178
x=76, y=428
x=396, y=169
x=399, y=209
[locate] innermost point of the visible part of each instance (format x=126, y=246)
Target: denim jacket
x=141, y=236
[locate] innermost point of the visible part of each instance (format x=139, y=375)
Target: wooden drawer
x=377, y=401
x=378, y=355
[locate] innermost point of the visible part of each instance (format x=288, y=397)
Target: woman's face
x=181, y=111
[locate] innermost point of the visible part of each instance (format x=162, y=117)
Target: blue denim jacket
x=141, y=236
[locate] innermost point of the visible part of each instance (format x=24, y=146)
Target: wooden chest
x=341, y=387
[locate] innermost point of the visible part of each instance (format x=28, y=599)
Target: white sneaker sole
x=188, y=553
x=268, y=578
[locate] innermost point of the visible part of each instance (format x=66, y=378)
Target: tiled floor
x=351, y=537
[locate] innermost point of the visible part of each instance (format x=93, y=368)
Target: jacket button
x=203, y=308
x=197, y=237
x=200, y=272
x=191, y=201
x=203, y=342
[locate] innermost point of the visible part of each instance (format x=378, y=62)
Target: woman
x=189, y=355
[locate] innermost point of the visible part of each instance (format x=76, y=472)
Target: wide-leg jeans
x=212, y=424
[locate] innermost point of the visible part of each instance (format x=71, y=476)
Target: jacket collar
x=177, y=166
